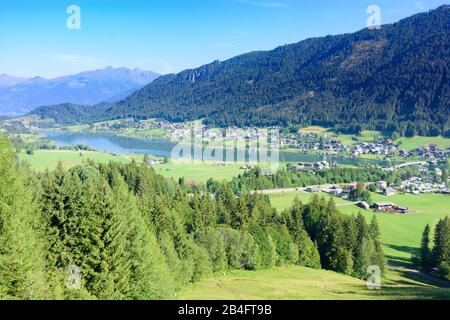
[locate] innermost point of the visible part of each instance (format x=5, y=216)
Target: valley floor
x=400, y=234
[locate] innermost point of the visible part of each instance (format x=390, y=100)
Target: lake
x=163, y=148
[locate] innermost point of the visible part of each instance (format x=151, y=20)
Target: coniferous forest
x=434, y=256
x=132, y=234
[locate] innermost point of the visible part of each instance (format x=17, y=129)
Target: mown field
x=199, y=171
x=195, y=171
x=48, y=159
x=297, y=283
x=400, y=234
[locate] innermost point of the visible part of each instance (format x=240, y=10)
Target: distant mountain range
x=8, y=81
x=394, y=79
x=21, y=95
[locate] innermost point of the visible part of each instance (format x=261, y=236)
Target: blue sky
x=170, y=35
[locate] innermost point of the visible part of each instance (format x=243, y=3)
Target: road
x=407, y=164
x=287, y=190
x=435, y=280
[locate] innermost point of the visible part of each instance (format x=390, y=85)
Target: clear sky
x=170, y=35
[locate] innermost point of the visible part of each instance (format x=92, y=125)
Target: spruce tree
x=23, y=267
x=441, y=249
x=378, y=258
x=425, y=254
x=145, y=266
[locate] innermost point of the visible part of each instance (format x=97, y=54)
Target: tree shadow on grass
x=401, y=292
x=396, y=260
x=410, y=286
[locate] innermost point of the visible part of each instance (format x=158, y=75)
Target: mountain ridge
x=395, y=79
x=21, y=95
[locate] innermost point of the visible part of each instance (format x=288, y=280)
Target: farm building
x=382, y=185
x=364, y=205
x=389, y=207
x=384, y=207
x=389, y=192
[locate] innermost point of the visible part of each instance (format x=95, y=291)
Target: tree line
x=434, y=255
x=290, y=177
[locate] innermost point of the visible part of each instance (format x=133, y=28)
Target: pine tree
x=307, y=251
x=210, y=239
x=145, y=268
x=23, y=267
x=441, y=249
x=364, y=249
x=378, y=258
x=425, y=254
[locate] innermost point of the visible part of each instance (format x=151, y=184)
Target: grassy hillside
x=417, y=141
x=298, y=283
x=400, y=234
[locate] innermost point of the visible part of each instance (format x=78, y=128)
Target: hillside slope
x=394, y=78
x=297, y=283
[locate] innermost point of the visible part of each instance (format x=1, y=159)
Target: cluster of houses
x=231, y=134
x=312, y=166
x=382, y=146
x=413, y=185
x=139, y=124
x=311, y=141
x=385, y=189
x=335, y=190
x=417, y=185
x=432, y=152
x=344, y=192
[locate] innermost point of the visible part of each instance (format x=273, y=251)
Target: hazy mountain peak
x=21, y=95
x=8, y=81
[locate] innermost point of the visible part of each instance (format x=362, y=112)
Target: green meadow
x=400, y=234
x=199, y=171
x=412, y=143
x=191, y=171
x=298, y=283
x=48, y=159
x=400, y=238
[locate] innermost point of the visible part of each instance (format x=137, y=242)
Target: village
x=304, y=142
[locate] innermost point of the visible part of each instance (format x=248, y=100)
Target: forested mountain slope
x=393, y=78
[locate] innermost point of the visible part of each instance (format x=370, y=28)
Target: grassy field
x=299, y=283
x=199, y=171
x=196, y=171
x=46, y=159
x=412, y=143
x=400, y=234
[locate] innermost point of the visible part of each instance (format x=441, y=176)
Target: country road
x=287, y=190
x=301, y=189
x=435, y=280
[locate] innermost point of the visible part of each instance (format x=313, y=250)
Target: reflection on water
x=163, y=148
